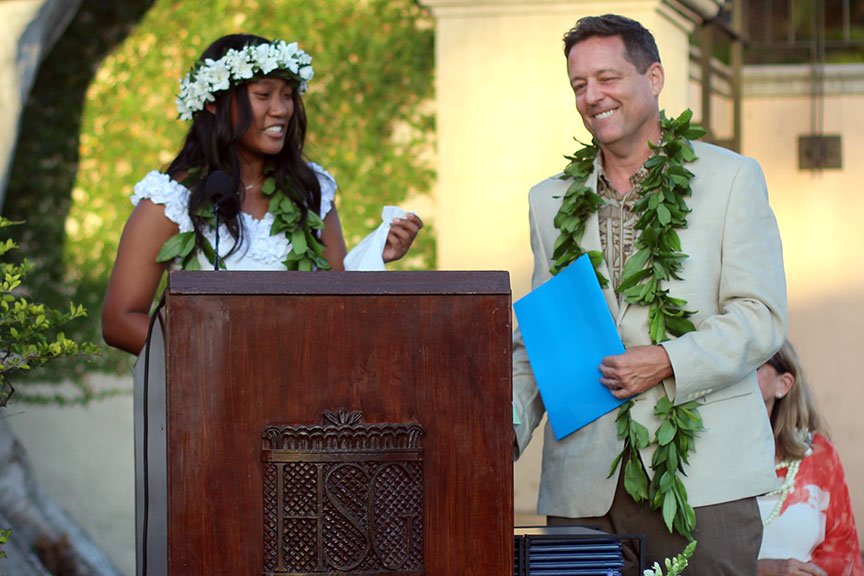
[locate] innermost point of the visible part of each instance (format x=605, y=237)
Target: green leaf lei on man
x=662, y=211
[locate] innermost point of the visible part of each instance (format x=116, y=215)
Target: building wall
x=819, y=213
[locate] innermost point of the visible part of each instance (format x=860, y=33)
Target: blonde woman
x=809, y=526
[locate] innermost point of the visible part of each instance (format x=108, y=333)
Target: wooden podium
x=339, y=423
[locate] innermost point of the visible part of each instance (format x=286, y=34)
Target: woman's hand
x=402, y=234
x=789, y=567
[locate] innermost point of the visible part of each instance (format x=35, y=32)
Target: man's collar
x=600, y=169
x=634, y=178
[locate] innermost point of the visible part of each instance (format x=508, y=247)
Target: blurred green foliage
x=4, y=537
x=101, y=115
x=31, y=334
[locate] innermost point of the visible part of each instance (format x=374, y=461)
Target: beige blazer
x=735, y=282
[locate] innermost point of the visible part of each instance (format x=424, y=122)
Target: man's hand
x=636, y=370
x=789, y=567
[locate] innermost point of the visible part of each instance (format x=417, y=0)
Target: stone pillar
x=506, y=116
x=30, y=28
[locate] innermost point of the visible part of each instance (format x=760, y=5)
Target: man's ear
x=657, y=77
x=210, y=107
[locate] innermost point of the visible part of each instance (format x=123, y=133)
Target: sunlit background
x=453, y=108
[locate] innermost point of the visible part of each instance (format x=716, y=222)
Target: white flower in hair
x=290, y=50
x=198, y=95
x=231, y=60
x=242, y=68
x=183, y=109
x=267, y=57
x=216, y=75
x=237, y=66
x=199, y=89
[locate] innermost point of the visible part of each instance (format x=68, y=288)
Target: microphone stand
x=218, y=190
x=216, y=214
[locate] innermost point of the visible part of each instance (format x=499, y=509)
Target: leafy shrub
x=4, y=537
x=30, y=334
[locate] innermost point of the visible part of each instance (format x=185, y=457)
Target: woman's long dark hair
x=211, y=145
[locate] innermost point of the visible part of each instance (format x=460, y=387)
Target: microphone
x=219, y=190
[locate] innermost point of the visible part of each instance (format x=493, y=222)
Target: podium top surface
x=227, y=282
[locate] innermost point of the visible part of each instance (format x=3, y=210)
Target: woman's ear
x=210, y=107
x=785, y=383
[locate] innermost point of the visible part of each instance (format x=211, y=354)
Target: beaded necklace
x=785, y=489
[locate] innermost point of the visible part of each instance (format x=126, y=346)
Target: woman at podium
x=239, y=195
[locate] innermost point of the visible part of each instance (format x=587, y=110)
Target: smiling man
x=689, y=252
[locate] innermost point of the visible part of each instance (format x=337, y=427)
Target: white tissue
x=368, y=255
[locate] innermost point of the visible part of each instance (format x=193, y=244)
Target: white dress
x=259, y=251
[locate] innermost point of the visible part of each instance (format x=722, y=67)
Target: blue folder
x=568, y=330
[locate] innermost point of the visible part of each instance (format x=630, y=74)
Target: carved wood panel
x=249, y=350
x=344, y=497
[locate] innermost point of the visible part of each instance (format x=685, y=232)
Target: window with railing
x=812, y=33
x=804, y=31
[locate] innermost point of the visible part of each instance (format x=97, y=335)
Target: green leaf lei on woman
x=306, y=254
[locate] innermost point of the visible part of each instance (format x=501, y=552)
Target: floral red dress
x=814, y=522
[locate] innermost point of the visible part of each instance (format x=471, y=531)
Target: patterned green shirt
x=618, y=223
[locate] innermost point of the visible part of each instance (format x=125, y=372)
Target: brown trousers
x=729, y=535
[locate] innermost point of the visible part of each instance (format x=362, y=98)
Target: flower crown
x=211, y=76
